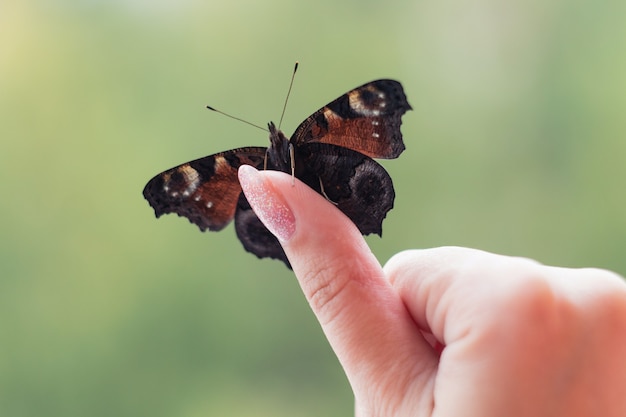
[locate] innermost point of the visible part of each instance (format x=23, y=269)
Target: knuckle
x=324, y=287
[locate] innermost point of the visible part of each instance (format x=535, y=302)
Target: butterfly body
x=330, y=151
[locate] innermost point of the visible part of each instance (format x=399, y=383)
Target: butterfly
x=331, y=151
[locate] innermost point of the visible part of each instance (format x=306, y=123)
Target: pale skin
x=451, y=332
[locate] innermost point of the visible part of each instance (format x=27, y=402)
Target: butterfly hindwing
x=206, y=190
x=355, y=183
x=254, y=236
x=366, y=119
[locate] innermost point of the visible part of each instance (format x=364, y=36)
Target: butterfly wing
x=254, y=235
x=366, y=119
x=355, y=183
x=205, y=191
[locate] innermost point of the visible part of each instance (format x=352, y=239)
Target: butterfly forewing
x=206, y=190
x=366, y=119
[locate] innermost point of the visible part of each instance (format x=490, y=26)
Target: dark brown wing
x=355, y=183
x=254, y=235
x=206, y=190
x=366, y=119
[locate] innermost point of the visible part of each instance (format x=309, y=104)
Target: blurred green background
x=516, y=145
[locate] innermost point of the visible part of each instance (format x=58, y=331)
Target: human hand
x=451, y=331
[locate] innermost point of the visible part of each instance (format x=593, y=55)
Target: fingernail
x=267, y=203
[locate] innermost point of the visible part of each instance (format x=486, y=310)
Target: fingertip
x=400, y=262
x=323, y=237
x=423, y=261
x=415, y=262
x=268, y=203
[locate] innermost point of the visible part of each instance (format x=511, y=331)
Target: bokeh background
x=516, y=145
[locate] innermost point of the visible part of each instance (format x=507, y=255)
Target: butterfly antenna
x=236, y=118
x=293, y=75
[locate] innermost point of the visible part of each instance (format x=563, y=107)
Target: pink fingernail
x=267, y=203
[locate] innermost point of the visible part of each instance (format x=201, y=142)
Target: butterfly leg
x=324, y=192
x=265, y=159
x=292, y=158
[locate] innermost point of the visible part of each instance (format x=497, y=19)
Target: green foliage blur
x=516, y=145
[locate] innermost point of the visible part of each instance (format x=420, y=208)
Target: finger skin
x=523, y=338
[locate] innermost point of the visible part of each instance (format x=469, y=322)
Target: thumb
x=362, y=316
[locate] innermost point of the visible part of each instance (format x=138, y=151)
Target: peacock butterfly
x=331, y=151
